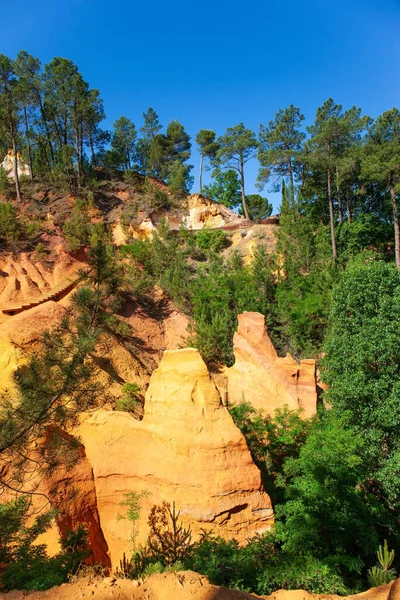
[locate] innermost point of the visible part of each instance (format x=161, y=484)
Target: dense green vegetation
x=331, y=290
x=25, y=563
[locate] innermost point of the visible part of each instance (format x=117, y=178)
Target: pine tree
x=280, y=145
x=208, y=148
x=237, y=146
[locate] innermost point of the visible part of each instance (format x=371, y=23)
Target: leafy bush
x=76, y=230
x=305, y=573
x=3, y=179
x=211, y=239
x=14, y=228
x=260, y=567
x=132, y=400
x=25, y=564
x=271, y=440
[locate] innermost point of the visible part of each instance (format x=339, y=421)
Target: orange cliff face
x=263, y=379
x=186, y=450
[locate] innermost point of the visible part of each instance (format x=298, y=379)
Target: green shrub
x=76, y=230
x=14, y=228
x=26, y=565
x=212, y=239
x=304, y=573
x=382, y=573
x=260, y=567
x=132, y=400
x=3, y=179
x=271, y=440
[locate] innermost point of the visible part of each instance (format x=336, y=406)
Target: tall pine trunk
x=348, y=203
x=244, y=203
x=46, y=127
x=339, y=198
x=28, y=141
x=292, y=198
x=94, y=161
x=331, y=215
x=16, y=176
x=395, y=222
x=201, y=172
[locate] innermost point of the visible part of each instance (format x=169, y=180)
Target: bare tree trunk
x=201, y=172
x=331, y=215
x=339, y=198
x=46, y=127
x=348, y=204
x=291, y=177
x=395, y=223
x=28, y=142
x=78, y=160
x=92, y=150
x=16, y=176
x=244, y=203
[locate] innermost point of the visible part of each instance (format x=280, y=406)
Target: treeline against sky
x=345, y=164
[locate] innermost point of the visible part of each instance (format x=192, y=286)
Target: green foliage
x=64, y=366
x=123, y=142
x=169, y=541
x=236, y=147
x=25, y=564
x=131, y=504
x=79, y=230
x=225, y=188
x=382, y=573
x=280, y=145
x=179, y=179
x=258, y=207
x=15, y=230
x=167, y=546
x=76, y=229
x=305, y=573
x=362, y=369
x=327, y=513
x=260, y=567
x=220, y=292
x=131, y=401
x=3, y=179
x=271, y=440
x=305, y=280
x=211, y=239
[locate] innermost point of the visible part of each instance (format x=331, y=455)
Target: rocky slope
x=184, y=585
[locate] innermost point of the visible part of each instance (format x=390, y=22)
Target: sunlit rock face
x=8, y=166
x=263, y=379
x=186, y=450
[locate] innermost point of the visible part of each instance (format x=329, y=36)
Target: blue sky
x=212, y=64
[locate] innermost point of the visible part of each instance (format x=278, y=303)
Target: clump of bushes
x=131, y=401
x=25, y=565
x=80, y=231
x=212, y=239
x=15, y=230
x=3, y=179
x=259, y=567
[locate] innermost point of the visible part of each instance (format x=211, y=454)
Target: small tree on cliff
x=59, y=381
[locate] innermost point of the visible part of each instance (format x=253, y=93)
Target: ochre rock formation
x=22, y=167
x=186, y=450
x=263, y=379
x=205, y=213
